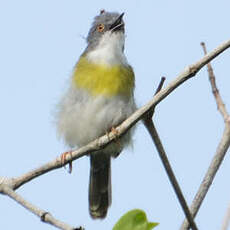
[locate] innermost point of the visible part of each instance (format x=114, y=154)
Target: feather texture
x=100, y=97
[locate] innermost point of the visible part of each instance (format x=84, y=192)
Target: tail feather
x=99, y=185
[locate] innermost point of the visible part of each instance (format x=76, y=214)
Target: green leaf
x=134, y=220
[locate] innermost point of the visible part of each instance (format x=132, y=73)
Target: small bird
x=99, y=98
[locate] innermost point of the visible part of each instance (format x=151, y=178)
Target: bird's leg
x=63, y=160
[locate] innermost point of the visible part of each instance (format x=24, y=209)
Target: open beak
x=118, y=24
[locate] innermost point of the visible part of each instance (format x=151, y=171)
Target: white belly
x=82, y=118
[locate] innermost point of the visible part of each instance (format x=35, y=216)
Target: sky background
x=40, y=41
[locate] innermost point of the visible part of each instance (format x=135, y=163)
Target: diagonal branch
x=163, y=156
x=155, y=137
x=10, y=184
x=101, y=142
x=220, y=152
x=220, y=104
x=44, y=216
x=209, y=176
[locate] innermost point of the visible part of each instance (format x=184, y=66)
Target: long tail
x=99, y=185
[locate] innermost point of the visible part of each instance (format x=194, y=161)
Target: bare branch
x=44, y=216
x=155, y=137
x=210, y=174
x=101, y=142
x=149, y=115
x=160, y=85
x=220, y=152
x=8, y=185
x=215, y=91
x=226, y=220
x=156, y=140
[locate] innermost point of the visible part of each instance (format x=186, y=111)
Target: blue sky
x=39, y=44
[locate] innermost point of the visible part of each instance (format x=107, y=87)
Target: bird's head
x=107, y=28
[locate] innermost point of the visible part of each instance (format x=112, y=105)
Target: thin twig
x=149, y=115
x=100, y=143
x=153, y=132
x=156, y=139
x=43, y=215
x=220, y=152
x=209, y=176
x=160, y=85
x=220, y=104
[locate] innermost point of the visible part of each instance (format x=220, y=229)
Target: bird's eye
x=100, y=28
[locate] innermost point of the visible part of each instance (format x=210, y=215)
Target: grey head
x=104, y=22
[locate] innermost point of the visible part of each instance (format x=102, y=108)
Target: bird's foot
x=63, y=160
x=116, y=134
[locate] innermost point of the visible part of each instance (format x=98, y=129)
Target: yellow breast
x=101, y=79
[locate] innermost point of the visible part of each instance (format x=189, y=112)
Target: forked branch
x=148, y=121
x=11, y=184
x=220, y=152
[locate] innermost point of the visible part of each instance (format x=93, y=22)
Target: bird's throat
x=109, y=50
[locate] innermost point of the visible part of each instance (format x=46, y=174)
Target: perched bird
x=99, y=98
